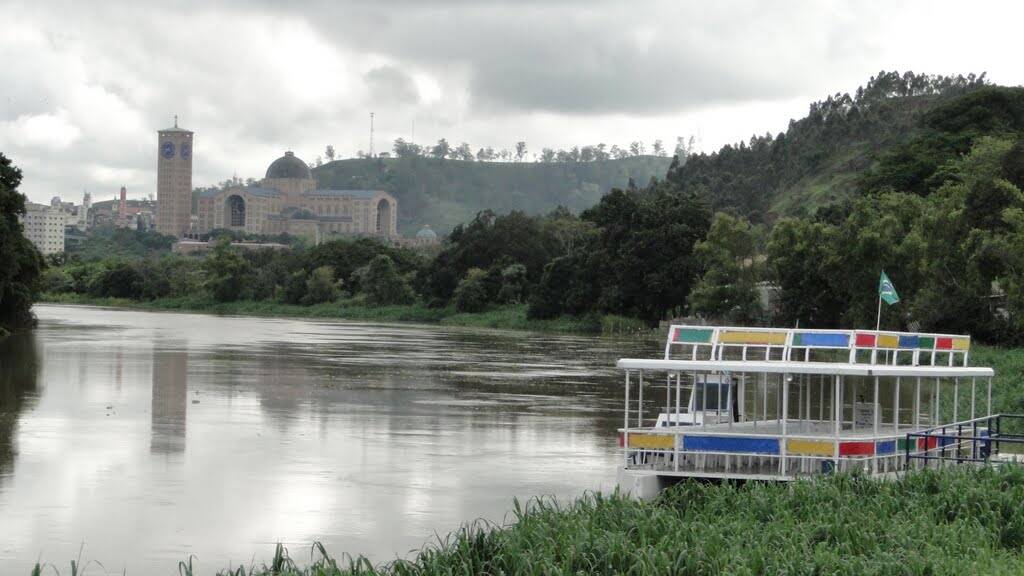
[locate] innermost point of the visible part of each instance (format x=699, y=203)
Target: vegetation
x=22, y=263
x=446, y=192
x=949, y=522
x=822, y=158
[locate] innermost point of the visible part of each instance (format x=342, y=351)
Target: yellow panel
x=762, y=338
x=961, y=343
x=888, y=341
x=810, y=447
x=652, y=441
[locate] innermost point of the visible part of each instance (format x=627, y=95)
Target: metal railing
x=970, y=441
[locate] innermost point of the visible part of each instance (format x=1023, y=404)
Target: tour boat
x=779, y=404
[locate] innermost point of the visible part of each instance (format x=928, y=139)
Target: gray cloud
x=79, y=105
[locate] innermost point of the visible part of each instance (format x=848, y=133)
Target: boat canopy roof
x=776, y=367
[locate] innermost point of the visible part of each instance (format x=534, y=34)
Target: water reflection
x=169, y=412
x=19, y=372
x=156, y=436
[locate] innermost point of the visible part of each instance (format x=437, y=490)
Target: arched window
x=236, y=211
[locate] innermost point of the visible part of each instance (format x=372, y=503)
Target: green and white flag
x=886, y=291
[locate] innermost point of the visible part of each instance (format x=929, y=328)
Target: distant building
x=44, y=227
x=287, y=201
x=426, y=236
x=189, y=246
x=174, y=180
x=83, y=212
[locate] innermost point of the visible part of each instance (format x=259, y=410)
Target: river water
x=148, y=437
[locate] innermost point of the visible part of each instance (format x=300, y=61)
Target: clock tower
x=174, y=180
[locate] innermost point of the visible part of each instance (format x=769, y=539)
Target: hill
x=444, y=193
x=829, y=155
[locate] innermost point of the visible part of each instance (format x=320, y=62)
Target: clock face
x=186, y=150
x=167, y=149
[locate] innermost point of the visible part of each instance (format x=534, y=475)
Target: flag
x=886, y=291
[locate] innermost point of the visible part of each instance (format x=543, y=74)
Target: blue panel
x=908, y=341
x=885, y=447
x=731, y=444
x=831, y=340
x=946, y=441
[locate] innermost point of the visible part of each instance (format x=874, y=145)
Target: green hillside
x=444, y=193
x=825, y=157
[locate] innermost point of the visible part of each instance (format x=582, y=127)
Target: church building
x=288, y=201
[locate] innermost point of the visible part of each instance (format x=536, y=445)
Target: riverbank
x=508, y=317
x=956, y=521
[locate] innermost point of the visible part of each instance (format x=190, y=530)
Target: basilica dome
x=288, y=166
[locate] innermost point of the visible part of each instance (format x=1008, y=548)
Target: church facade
x=288, y=201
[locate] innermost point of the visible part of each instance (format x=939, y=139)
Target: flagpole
x=878, y=321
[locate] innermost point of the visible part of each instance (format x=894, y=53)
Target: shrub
x=471, y=293
x=321, y=286
x=382, y=283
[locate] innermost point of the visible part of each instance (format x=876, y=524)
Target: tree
x=405, y=149
x=22, y=263
x=727, y=289
x=464, y=152
x=658, y=148
x=383, y=285
x=227, y=273
x=321, y=286
x=547, y=155
x=520, y=151
x=513, y=284
x=329, y=153
x=441, y=150
x=471, y=294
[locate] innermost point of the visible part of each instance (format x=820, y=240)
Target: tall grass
x=955, y=521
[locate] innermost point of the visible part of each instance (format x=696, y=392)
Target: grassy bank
x=504, y=317
x=951, y=522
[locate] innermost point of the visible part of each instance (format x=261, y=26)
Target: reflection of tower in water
x=170, y=399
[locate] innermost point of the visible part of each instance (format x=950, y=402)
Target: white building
x=44, y=227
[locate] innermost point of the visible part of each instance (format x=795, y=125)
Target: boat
x=744, y=403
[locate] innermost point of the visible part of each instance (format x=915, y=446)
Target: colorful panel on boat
x=692, y=336
x=822, y=340
x=926, y=342
x=810, y=447
x=909, y=341
x=865, y=340
x=856, y=448
x=961, y=343
x=734, y=444
x=885, y=447
x=888, y=341
x=652, y=441
x=902, y=443
x=752, y=337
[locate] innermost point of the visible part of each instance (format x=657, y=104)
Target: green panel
x=926, y=342
x=798, y=339
x=693, y=336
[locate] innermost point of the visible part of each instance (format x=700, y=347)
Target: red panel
x=856, y=448
x=622, y=440
x=866, y=340
x=944, y=343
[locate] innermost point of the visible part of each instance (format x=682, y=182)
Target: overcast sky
x=85, y=85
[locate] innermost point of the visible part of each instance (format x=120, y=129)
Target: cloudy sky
x=85, y=85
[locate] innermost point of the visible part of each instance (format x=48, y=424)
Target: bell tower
x=174, y=180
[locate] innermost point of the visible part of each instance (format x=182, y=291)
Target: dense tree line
x=21, y=262
x=820, y=157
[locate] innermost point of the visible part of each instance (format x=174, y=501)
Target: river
x=147, y=437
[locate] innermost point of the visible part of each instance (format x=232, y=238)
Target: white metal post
x=896, y=407
x=956, y=399
x=625, y=430
x=785, y=416
x=973, y=392
x=640, y=401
